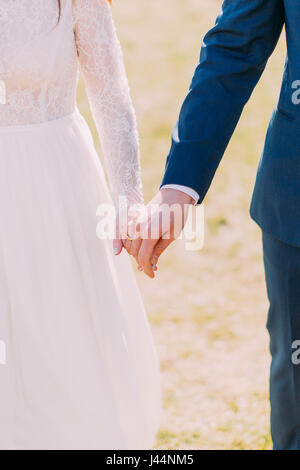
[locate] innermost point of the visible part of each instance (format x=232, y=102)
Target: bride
x=81, y=371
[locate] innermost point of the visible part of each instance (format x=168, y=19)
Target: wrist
x=176, y=195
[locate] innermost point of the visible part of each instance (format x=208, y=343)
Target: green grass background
x=208, y=308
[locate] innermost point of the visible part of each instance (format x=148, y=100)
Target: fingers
x=150, y=252
x=127, y=244
x=158, y=250
x=145, y=256
x=135, y=248
x=131, y=238
x=117, y=246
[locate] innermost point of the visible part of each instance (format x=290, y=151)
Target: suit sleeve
x=233, y=57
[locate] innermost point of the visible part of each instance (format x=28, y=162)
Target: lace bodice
x=39, y=62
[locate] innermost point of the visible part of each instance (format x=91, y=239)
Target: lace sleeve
x=103, y=70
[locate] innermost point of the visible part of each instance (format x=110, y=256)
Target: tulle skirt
x=80, y=369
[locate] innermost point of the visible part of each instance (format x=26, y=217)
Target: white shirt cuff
x=184, y=189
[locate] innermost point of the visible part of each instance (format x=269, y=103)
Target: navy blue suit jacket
x=234, y=55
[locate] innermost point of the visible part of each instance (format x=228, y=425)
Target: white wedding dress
x=81, y=370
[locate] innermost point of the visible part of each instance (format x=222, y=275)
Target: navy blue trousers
x=282, y=269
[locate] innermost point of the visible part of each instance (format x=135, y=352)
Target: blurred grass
x=208, y=308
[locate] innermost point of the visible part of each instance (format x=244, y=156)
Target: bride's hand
x=128, y=228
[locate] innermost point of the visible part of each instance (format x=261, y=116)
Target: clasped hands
x=149, y=232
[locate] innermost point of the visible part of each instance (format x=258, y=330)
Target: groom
x=233, y=57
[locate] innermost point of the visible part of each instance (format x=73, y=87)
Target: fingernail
x=116, y=251
x=153, y=266
x=140, y=268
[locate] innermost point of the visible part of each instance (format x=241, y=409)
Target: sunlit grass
x=208, y=308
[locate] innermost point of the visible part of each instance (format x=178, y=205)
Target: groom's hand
x=165, y=220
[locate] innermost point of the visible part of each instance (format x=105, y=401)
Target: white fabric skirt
x=81, y=369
